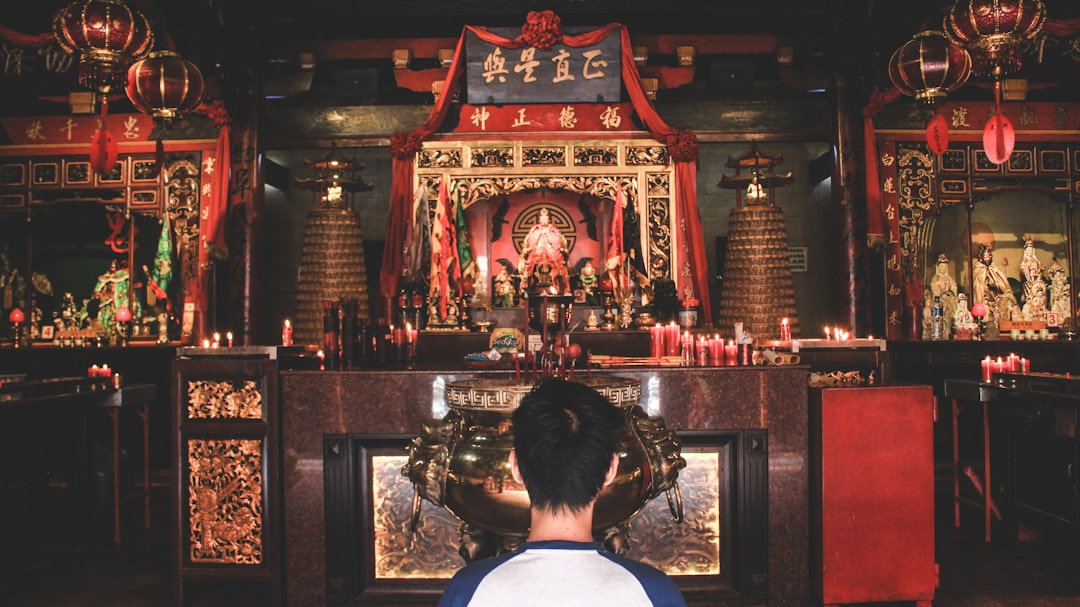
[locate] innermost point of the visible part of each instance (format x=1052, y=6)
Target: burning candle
x=286, y=333
x=92, y=371
x=687, y=349
x=228, y=338
x=411, y=334
x=206, y=343
x=1025, y=365
x=785, y=329
x=987, y=369
x=731, y=354
x=702, y=351
x=1012, y=363
x=827, y=333
x=322, y=360
x=671, y=339
x=104, y=371
x=656, y=341
x=217, y=340
x=716, y=351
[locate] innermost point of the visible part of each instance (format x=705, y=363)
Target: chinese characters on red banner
x=546, y=117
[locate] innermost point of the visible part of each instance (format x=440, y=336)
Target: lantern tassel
x=999, y=139
x=103, y=149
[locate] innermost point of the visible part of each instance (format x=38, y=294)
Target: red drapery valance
x=691, y=277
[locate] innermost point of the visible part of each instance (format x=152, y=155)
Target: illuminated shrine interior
x=273, y=275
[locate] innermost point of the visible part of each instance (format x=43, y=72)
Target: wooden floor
x=973, y=574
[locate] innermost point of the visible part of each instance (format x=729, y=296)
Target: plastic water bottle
x=937, y=320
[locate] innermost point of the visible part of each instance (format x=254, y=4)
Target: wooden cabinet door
x=872, y=494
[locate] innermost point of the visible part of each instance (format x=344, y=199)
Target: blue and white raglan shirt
x=563, y=573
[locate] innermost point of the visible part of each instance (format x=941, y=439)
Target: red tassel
x=103, y=149
x=104, y=153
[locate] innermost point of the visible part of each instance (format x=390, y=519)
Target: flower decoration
x=542, y=29
x=405, y=144
x=215, y=111
x=682, y=145
x=878, y=100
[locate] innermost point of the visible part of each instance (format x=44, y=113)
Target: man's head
x=565, y=435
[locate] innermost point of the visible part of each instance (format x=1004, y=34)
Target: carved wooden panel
x=227, y=470
x=596, y=156
x=225, y=498
x=224, y=399
x=584, y=168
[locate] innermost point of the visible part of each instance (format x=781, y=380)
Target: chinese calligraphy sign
x=497, y=75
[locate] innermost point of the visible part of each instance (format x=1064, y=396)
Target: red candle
x=1025, y=365
x=785, y=329
x=731, y=354
x=656, y=341
x=987, y=369
x=702, y=351
x=716, y=351
x=671, y=339
x=286, y=333
x=1012, y=363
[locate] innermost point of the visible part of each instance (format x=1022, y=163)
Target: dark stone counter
x=391, y=402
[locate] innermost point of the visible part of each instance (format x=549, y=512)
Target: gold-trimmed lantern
x=164, y=85
x=107, y=35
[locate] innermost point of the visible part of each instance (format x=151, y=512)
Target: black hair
x=564, y=436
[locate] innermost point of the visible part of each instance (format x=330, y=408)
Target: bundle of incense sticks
x=606, y=360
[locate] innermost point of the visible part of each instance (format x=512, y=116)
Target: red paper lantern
x=107, y=35
x=164, y=85
x=978, y=310
x=937, y=134
x=123, y=314
x=993, y=30
x=16, y=316
x=928, y=67
x=999, y=138
x=104, y=152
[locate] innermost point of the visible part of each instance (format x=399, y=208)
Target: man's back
x=564, y=573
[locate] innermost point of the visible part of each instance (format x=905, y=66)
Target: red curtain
x=682, y=147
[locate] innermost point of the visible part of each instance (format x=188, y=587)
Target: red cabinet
x=872, y=494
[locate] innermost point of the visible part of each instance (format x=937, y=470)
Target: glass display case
x=92, y=258
x=988, y=247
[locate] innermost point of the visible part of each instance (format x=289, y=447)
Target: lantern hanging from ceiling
x=164, y=85
x=928, y=67
x=107, y=35
x=994, y=30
